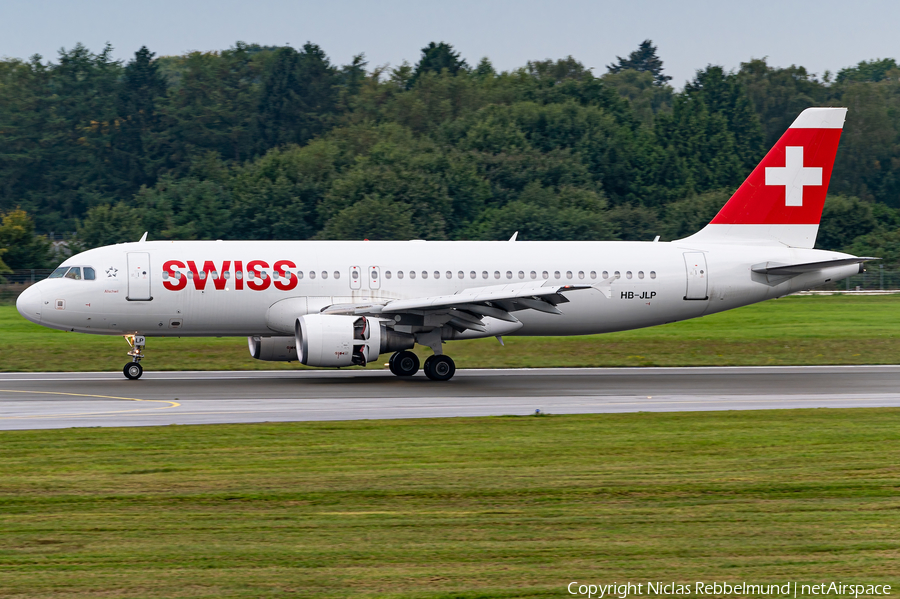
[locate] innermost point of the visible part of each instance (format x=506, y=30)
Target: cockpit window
x=88, y=273
x=74, y=273
x=58, y=273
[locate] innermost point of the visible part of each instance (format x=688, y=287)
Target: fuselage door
x=697, y=276
x=139, y=277
x=355, y=277
x=374, y=277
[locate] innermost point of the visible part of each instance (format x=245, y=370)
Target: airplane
x=344, y=303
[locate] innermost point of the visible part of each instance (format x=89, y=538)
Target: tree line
x=262, y=142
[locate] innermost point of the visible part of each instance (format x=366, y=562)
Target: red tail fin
x=782, y=199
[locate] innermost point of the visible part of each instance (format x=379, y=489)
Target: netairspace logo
x=788, y=589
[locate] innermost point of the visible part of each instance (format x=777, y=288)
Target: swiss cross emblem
x=793, y=175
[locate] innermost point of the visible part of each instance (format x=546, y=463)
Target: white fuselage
x=656, y=284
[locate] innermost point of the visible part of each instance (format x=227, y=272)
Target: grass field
x=450, y=508
x=794, y=330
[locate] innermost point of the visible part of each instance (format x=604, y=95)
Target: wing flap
x=468, y=308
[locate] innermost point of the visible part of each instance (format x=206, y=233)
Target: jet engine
x=273, y=349
x=340, y=340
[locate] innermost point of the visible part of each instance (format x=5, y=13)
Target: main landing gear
x=437, y=368
x=133, y=370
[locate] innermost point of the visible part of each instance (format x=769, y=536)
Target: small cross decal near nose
x=793, y=175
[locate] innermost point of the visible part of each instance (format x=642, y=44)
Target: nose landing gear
x=133, y=370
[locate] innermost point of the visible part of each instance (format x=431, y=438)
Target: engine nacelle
x=340, y=340
x=273, y=349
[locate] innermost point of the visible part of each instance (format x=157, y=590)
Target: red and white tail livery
x=344, y=303
x=782, y=199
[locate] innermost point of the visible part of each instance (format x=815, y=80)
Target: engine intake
x=340, y=340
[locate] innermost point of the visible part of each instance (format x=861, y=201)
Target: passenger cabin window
x=399, y=274
x=652, y=274
x=521, y=274
x=74, y=273
x=412, y=274
x=640, y=274
x=387, y=274
x=594, y=274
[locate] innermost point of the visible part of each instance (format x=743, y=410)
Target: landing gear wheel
x=133, y=371
x=439, y=368
x=404, y=363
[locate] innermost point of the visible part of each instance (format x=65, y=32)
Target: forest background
x=278, y=143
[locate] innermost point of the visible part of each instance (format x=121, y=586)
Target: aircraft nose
x=29, y=304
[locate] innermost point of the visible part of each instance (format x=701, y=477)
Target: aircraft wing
x=464, y=310
x=776, y=268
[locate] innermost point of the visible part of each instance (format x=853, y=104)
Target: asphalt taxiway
x=62, y=400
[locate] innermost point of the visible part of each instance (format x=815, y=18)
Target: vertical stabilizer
x=781, y=201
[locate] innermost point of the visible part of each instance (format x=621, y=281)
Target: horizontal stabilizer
x=789, y=270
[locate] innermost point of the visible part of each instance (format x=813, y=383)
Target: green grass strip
x=467, y=507
x=794, y=330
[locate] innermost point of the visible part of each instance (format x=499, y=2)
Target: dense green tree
x=884, y=244
x=868, y=71
x=263, y=142
x=437, y=58
x=373, y=218
x=779, y=95
x=108, y=224
x=543, y=214
x=723, y=94
x=299, y=95
x=140, y=89
x=21, y=247
x=278, y=195
x=686, y=217
x=844, y=219
x=213, y=108
x=643, y=94
x=635, y=223
x=642, y=59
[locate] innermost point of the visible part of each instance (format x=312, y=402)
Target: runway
x=62, y=400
